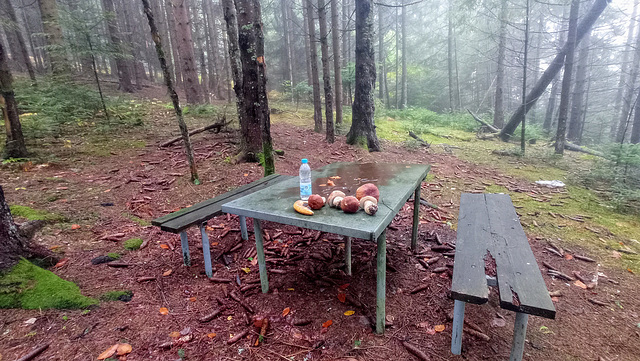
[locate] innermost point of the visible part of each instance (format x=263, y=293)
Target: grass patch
x=35, y=214
x=133, y=244
x=113, y=255
x=30, y=287
x=138, y=220
x=124, y=296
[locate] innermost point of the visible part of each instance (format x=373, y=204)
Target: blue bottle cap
x=304, y=161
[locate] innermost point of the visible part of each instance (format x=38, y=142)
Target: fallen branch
x=219, y=280
x=33, y=353
x=237, y=337
x=596, y=302
x=583, y=258
x=425, y=203
x=246, y=306
x=420, y=140
x=419, y=288
x=560, y=275
x=216, y=126
x=477, y=119
x=415, y=351
x=209, y=317
x=577, y=148
x=476, y=333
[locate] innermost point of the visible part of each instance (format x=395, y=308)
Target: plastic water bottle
x=305, y=180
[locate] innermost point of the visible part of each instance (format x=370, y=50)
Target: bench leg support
x=416, y=218
x=519, y=335
x=264, y=278
x=184, y=242
x=206, y=252
x=382, y=285
x=458, y=322
x=347, y=254
x=243, y=228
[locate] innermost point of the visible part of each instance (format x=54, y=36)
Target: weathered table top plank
x=198, y=213
x=498, y=231
x=396, y=183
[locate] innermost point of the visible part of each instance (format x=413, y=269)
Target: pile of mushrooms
x=366, y=198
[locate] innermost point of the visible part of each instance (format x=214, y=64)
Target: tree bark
x=172, y=92
x=452, y=102
x=51, y=27
x=624, y=72
x=498, y=113
x=287, y=67
x=403, y=85
x=552, y=70
x=14, y=143
x=627, y=99
x=11, y=14
x=185, y=46
x=13, y=246
x=313, y=50
x=575, y=121
x=326, y=72
x=175, y=51
x=307, y=46
x=122, y=68
x=635, y=132
x=551, y=106
x=566, y=79
x=337, y=71
x=363, y=129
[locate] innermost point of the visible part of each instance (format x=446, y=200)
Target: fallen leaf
x=123, y=349
x=192, y=299
x=254, y=261
x=545, y=330
x=62, y=262
x=213, y=244
x=229, y=318
x=498, y=322
x=431, y=331
x=31, y=321
x=330, y=183
x=246, y=269
x=164, y=246
x=580, y=284
x=439, y=328
x=344, y=286
x=53, y=248
x=245, y=175
x=211, y=335
x=342, y=297
x=568, y=257
x=335, y=177
x=109, y=352
x=174, y=334
x=327, y=324
x=75, y=226
x=349, y=313
x=286, y=311
x=164, y=311
x=167, y=272
x=630, y=270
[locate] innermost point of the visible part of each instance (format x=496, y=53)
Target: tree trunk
x=498, y=113
x=157, y=8
x=566, y=79
x=363, y=129
x=635, y=132
x=185, y=46
x=14, y=142
x=172, y=92
x=335, y=32
x=12, y=244
x=11, y=14
x=287, y=67
x=552, y=70
x=452, y=102
x=551, y=106
x=627, y=99
x=51, y=27
x=326, y=72
x=175, y=51
x=381, y=55
x=317, y=106
x=575, y=120
x=307, y=46
x=624, y=73
x=122, y=68
x=403, y=85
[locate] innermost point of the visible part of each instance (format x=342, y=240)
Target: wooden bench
x=199, y=214
x=489, y=230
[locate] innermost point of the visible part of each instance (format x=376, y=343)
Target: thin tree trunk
x=335, y=32
x=326, y=72
x=635, y=132
x=172, y=92
x=552, y=70
x=306, y=40
x=363, y=130
x=209, y=26
x=452, y=102
x=51, y=27
x=317, y=106
x=14, y=143
x=287, y=69
x=96, y=77
x=523, y=141
x=566, y=79
x=578, y=91
x=551, y=106
x=403, y=96
x=624, y=73
x=11, y=14
x=381, y=55
x=498, y=113
x=122, y=68
x=185, y=46
x=171, y=24
x=627, y=99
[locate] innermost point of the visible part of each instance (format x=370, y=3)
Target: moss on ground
x=113, y=255
x=133, y=244
x=35, y=214
x=138, y=220
x=117, y=296
x=30, y=287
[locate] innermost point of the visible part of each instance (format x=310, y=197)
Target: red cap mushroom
x=315, y=201
x=368, y=189
x=350, y=204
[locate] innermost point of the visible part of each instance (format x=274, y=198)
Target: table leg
x=184, y=242
x=458, y=323
x=264, y=278
x=519, y=334
x=347, y=254
x=243, y=228
x=382, y=285
x=416, y=218
x=206, y=251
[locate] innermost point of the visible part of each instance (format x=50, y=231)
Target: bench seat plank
x=178, y=221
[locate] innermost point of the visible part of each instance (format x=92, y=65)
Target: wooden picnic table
x=396, y=183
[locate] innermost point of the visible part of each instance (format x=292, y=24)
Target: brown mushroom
x=368, y=189
x=350, y=204
x=315, y=201
x=369, y=204
x=334, y=199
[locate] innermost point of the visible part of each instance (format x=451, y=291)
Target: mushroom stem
x=370, y=208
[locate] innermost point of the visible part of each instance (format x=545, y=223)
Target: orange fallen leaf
x=580, y=284
x=439, y=328
x=211, y=335
x=109, y=352
x=164, y=246
x=193, y=299
x=75, y=226
x=349, y=313
x=335, y=177
x=344, y=286
x=286, y=311
x=342, y=297
x=330, y=183
x=323, y=185
x=164, y=311
x=568, y=257
x=327, y=324
x=213, y=244
x=174, y=334
x=53, y=248
x=245, y=175
x=630, y=270
x=123, y=349
x=62, y=262
x=167, y=272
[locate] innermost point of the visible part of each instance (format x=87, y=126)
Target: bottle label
x=305, y=189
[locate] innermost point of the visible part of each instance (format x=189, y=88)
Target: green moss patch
x=124, y=296
x=113, y=255
x=133, y=244
x=30, y=287
x=35, y=214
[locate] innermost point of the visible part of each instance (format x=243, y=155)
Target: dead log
x=420, y=140
x=489, y=126
x=476, y=333
x=419, y=288
x=596, y=302
x=415, y=351
x=577, y=148
x=216, y=127
x=219, y=280
x=237, y=337
x=33, y=353
x=210, y=316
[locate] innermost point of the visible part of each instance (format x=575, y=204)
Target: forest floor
x=109, y=186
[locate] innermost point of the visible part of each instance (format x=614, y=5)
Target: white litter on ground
x=551, y=184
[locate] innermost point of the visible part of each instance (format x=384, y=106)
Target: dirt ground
x=113, y=197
